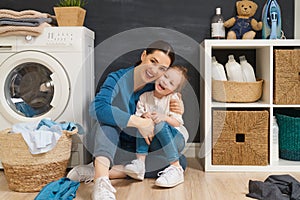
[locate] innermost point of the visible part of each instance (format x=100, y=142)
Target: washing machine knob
x=28, y=38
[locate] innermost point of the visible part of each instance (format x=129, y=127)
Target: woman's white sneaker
x=82, y=173
x=136, y=169
x=103, y=190
x=170, y=177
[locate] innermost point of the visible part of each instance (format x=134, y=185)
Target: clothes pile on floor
x=27, y=22
x=64, y=189
x=275, y=187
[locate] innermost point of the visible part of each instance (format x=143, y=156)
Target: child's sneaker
x=136, y=169
x=170, y=177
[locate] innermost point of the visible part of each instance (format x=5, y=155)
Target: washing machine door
x=34, y=85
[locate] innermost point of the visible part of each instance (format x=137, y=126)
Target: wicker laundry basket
x=231, y=91
x=26, y=172
x=287, y=76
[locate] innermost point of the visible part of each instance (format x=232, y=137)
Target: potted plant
x=70, y=12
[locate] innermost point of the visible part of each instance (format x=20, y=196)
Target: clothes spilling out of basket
x=233, y=71
x=42, y=136
x=27, y=22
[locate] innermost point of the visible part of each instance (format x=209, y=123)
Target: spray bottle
x=271, y=18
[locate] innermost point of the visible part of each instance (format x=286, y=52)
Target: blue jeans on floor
x=166, y=137
x=119, y=146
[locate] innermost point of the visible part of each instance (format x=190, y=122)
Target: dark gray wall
x=187, y=19
x=191, y=17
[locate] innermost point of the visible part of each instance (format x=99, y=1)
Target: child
x=169, y=129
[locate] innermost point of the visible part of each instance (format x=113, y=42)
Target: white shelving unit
x=264, y=69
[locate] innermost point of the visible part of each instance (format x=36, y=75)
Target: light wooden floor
x=197, y=185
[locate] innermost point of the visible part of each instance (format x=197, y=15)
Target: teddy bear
x=243, y=26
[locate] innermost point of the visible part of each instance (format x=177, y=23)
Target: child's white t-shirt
x=149, y=103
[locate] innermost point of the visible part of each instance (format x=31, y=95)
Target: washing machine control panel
x=60, y=38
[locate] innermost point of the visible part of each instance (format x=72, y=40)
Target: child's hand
x=176, y=105
x=158, y=117
x=146, y=115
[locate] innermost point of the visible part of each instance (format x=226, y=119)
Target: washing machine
x=49, y=76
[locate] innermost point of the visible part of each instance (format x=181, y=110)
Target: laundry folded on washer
x=23, y=30
x=24, y=21
x=42, y=136
x=27, y=22
x=6, y=13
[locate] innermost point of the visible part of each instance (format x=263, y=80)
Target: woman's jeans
x=119, y=146
x=166, y=137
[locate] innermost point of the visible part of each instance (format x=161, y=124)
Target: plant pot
x=69, y=16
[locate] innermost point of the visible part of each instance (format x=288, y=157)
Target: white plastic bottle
x=217, y=71
x=248, y=72
x=217, y=25
x=275, y=149
x=234, y=70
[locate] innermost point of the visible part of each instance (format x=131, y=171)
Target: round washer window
x=29, y=89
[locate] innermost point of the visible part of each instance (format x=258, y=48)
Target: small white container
x=275, y=149
x=218, y=72
x=248, y=72
x=234, y=70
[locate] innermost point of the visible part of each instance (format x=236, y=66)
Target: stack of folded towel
x=27, y=22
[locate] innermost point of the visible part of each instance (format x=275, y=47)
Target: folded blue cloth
x=62, y=189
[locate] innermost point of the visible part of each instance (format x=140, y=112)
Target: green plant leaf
x=66, y=3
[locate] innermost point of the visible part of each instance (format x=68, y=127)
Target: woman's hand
x=144, y=125
x=158, y=117
x=176, y=105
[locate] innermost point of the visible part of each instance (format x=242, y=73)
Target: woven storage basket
x=289, y=137
x=240, y=137
x=26, y=172
x=231, y=91
x=287, y=77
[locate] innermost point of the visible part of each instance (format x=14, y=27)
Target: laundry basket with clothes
x=27, y=172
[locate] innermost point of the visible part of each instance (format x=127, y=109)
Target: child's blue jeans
x=166, y=137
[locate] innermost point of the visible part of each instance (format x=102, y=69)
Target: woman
x=114, y=107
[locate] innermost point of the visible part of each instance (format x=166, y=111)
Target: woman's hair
x=160, y=45
x=184, y=79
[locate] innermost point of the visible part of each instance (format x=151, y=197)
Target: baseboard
x=192, y=150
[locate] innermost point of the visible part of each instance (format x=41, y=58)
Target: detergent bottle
x=271, y=19
x=275, y=140
x=217, y=71
x=234, y=70
x=217, y=25
x=248, y=72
